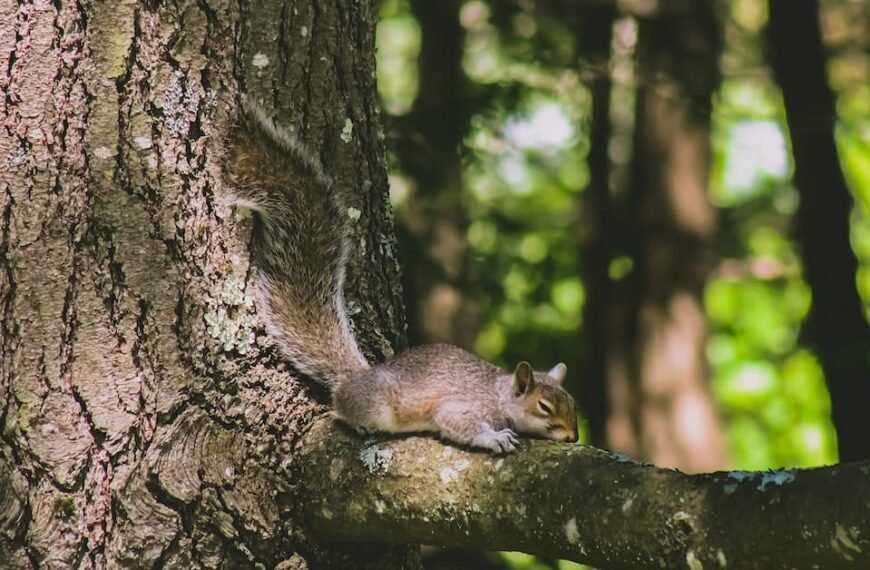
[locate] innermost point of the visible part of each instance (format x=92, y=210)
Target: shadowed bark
x=835, y=327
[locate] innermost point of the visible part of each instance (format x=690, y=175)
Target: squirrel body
x=443, y=389
x=300, y=246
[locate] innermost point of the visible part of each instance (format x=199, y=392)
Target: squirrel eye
x=545, y=408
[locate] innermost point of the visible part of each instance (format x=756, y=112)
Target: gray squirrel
x=300, y=246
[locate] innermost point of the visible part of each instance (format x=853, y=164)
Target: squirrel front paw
x=502, y=441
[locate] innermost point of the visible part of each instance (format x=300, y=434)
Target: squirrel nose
x=571, y=438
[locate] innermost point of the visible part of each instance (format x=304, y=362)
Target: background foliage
x=524, y=170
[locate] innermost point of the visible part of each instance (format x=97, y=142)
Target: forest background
x=622, y=193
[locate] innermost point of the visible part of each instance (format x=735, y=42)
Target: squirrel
x=300, y=246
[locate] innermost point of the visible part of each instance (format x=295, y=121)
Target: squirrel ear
x=524, y=379
x=558, y=372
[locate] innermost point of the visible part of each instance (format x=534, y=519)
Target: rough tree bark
x=146, y=423
x=835, y=328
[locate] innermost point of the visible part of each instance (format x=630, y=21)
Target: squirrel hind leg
x=363, y=402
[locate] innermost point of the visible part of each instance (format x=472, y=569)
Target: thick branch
x=583, y=504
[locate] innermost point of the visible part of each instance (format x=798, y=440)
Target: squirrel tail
x=300, y=245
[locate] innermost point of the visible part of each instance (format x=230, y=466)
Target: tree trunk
x=599, y=232
x=661, y=406
x=432, y=221
x=145, y=422
x=835, y=328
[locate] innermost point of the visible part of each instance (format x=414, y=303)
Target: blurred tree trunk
x=600, y=235
x=145, y=424
x=835, y=328
x=432, y=224
x=661, y=408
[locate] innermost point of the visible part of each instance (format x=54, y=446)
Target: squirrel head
x=542, y=407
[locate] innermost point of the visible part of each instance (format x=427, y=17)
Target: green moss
x=65, y=508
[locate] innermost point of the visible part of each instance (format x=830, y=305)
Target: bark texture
x=584, y=504
x=145, y=420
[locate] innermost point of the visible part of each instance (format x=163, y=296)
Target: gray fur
x=443, y=389
x=300, y=246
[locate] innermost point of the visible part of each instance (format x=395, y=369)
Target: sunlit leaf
x=747, y=384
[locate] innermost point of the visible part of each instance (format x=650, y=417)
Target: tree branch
x=584, y=504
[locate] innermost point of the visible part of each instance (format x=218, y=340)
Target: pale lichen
x=336, y=466
x=260, y=60
x=623, y=458
x=181, y=104
x=448, y=475
x=741, y=476
x=347, y=131
x=375, y=459
x=777, y=478
x=571, y=531
x=843, y=541
x=230, y=316
x=103, y=152
x=692, y=561
x=380, y=506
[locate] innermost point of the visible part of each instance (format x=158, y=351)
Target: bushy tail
x=300, y=245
